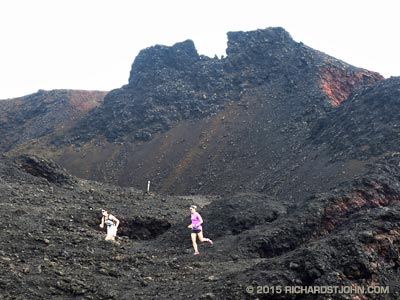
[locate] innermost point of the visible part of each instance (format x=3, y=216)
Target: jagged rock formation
x=190, y=123
x=171, y=84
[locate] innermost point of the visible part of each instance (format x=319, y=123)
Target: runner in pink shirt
x=197, y=229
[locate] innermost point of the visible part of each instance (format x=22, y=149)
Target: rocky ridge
x=171, y=84
x=40, y=114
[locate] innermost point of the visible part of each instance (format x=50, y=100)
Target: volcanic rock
x=190, y=124
x=290, y=155
x=28, y=118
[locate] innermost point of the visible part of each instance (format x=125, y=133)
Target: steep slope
x=364, y=126
x=30, y=117
x=191, y=124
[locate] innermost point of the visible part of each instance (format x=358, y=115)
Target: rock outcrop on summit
x=171, y=84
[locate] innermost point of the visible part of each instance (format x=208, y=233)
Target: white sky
x=91, y=44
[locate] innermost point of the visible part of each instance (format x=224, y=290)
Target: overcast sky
x=91, y=44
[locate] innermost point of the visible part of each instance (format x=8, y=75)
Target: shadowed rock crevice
x=144, y=229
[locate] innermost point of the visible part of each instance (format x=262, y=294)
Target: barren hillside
x=192, y=124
